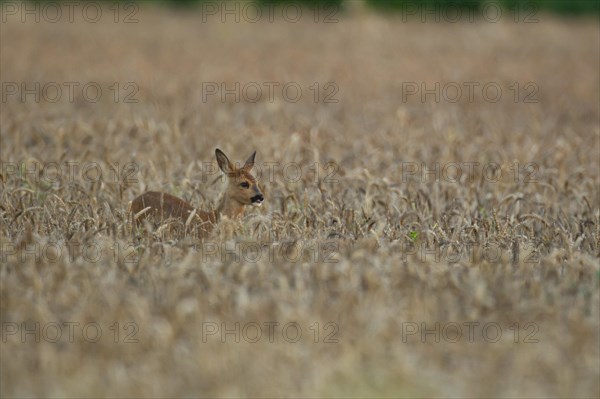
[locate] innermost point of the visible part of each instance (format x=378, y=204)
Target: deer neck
x=230, y=208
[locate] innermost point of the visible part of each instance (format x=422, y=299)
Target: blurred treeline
x=568, y=7
x=571, y=7
x=565, y=7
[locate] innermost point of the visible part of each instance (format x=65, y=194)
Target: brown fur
x=163, y=206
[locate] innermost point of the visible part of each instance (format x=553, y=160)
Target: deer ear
x=223, y=161
x=249, y=162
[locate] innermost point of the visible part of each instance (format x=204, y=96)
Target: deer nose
x=257, y=199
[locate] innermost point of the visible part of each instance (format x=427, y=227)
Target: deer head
x=242, y=187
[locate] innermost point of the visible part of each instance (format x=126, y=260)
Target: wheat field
x=431, y=225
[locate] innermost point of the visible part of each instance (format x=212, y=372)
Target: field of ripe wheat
x=431, y=225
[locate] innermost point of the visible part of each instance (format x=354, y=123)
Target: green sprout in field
x=413, y=235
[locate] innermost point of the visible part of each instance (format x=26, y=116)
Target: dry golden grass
x=337, y=250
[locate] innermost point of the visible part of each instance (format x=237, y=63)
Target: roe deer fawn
x=242, y=190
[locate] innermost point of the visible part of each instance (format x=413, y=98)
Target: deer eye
x=245, y=184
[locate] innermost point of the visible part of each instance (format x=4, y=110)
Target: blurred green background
x=572, y=7
x=563, y=7
x=569, y=7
